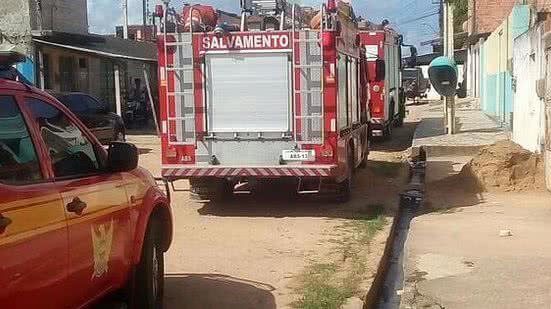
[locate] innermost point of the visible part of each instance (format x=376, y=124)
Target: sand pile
x=505, y=167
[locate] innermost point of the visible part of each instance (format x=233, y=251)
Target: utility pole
x=473, y=22
x=39, y=15
x=144, y=12
x=442, y=25
x=449, y=50
x=125, y=19
x=547, y=149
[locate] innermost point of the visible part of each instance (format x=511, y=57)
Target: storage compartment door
x=248, y=93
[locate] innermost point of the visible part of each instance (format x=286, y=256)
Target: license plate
x=299, y=155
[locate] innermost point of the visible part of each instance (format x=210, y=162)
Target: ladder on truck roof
x=307, y=68
x=182, y=123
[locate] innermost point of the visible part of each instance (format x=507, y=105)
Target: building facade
x=63, y=56
x=486, y=15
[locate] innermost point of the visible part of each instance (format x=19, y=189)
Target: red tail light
x=331, y=6
x=171, y=153
x=159, y=11
x=327, y=152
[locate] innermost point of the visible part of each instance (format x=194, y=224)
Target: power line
x=419, y=18
x=408, y=13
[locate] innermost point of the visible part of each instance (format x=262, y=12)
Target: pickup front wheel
x=149, y=276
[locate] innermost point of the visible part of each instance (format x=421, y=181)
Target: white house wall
x=528, y=108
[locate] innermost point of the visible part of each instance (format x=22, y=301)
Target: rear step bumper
x=267, y=172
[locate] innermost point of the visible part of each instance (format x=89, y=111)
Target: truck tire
x=401, y=114
x=212, y=189
x=149, y=274
x=399, y=122
x=363, y=164
x=387, y=132
x=345, y=187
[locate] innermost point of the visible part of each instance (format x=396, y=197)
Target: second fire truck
x=387, y=100
x=286, y=99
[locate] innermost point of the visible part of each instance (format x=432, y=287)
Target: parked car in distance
x=415, y=84
x=106, y=125
x=78, y=222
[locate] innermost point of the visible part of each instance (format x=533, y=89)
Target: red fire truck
x=287, y=100
x=387, y=101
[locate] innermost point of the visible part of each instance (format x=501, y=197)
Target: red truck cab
x=77, y=222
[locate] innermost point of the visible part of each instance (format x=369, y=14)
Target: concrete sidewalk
x=474, y=130
x=456, y=258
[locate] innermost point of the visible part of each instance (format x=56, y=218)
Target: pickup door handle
x=76, y=206
x=4, y=222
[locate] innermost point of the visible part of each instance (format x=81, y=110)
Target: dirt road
x=250, y=252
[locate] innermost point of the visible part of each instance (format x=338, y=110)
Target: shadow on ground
x=150, y=130
x=401, y=139
x=142, y=151
x=451, y=190
x=376, y=187
x=418, y=102
x=216, y=291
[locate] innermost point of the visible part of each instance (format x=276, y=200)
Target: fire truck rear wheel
x=363, y=164
x=345, y=187
x=212, y=189
x=387, y=132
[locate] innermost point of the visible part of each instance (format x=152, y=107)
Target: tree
x=460, y=13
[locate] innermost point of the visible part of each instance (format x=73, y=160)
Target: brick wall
x=488, y=14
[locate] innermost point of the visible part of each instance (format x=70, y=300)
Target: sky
x=104, y=15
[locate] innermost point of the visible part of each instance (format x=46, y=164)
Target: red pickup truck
x=77, y=222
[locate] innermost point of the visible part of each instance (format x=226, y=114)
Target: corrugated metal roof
x=108, y=46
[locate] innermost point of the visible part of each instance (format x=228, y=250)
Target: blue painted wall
x=496, y=90
x=482, y=77
x=520, y=18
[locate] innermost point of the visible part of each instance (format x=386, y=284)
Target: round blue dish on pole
x=443, y=76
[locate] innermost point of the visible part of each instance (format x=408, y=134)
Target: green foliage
x=460, y=13
x=320, y=290
x=328, y=285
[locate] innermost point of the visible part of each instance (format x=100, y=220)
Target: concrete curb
x=448, y=150
x=372, y=297
x=416, y=185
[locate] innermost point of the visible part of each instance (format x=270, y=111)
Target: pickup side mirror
x=443, y=76
x=122, y=157
x=380, y=70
